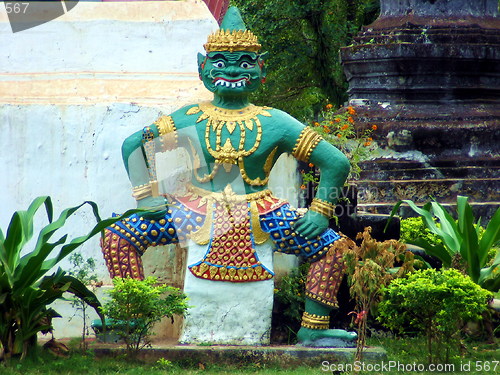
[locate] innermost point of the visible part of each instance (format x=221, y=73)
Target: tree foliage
x=303, y=38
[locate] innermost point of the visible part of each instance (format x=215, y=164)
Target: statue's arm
x=334, y=168
x=136, y=165
x=132, y=154
x=139, y=153
x=306, y=145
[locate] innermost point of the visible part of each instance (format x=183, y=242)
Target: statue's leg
x=323, y=281
x=121, y=256
x=126, y=241
x=325, y=274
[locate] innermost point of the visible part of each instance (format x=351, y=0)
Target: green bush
x=413, y=228
x=138, y=305
x=436, y=303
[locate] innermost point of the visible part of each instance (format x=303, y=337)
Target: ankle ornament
x=314, y=321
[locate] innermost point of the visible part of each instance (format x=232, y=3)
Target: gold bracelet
x=314, y=321
x=147, y=190
x=322, y=207
x=306, y=143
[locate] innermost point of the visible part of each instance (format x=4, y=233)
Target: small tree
x=437, y=303
x=370, y=267
x=136, y=305
x=84, y=271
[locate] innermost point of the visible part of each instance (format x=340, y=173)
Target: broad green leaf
x=490, y=276
x=14, y=240
x=428, y=218
x=75, y=243
x=470, y=245
x=438, y=251
x=30, y=269
x=469, y=252
x=491, y=236
x=20, y=229
x=448, y=230
x=393, y=212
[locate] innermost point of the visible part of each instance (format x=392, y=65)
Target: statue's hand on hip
x=156, y=207
x=311, y=225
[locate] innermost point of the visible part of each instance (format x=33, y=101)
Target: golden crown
x=232, y=40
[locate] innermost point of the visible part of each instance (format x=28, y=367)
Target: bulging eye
x=219, y=64
x=246, y=65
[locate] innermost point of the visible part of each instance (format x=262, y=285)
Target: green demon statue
x=227, y=206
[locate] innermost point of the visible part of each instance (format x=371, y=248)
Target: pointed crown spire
x=232, y=35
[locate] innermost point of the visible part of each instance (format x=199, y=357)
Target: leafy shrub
x=436, y=303
x=413, y=228
x=137, y=305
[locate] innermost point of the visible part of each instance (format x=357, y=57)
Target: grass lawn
x=409, y=354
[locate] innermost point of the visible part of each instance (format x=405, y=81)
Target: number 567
x=16, y=7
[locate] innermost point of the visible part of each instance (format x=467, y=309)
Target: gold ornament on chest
x=223, y=151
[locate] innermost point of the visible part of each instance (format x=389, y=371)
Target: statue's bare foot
x=326, y=337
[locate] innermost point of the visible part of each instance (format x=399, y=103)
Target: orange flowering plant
x=340, y=129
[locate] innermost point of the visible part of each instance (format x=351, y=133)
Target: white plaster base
x=228, y=313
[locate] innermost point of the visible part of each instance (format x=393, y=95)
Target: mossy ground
x=478, y=358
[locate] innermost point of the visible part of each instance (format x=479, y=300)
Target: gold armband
x=314, y=321
x=166, y=125
x=147, y=190
x=306, y=143
x=322, y=207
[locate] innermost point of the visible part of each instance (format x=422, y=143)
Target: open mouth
x=230, y=82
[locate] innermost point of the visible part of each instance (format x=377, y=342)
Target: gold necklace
x=245, y=118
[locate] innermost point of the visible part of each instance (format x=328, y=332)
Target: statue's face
x=231, y=73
